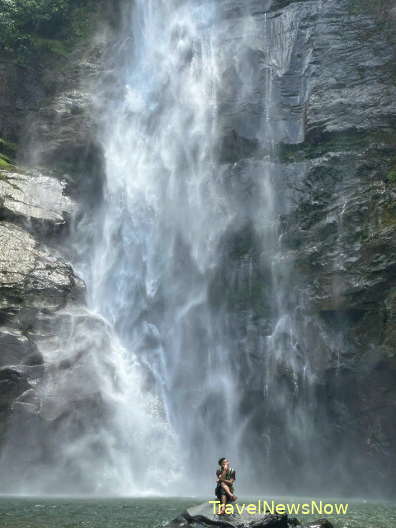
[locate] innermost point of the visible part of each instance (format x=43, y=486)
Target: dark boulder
x=202, y=515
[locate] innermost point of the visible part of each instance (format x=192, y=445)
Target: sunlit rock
x=34, y=199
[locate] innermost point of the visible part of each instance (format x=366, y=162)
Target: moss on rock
x=52, y=46
x=391, y=177
x=4, y=162
x=319, y=143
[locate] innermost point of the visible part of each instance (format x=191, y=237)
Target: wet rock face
x=31, y=276
x=20, y=92
x=339, y=230
x=33, y=207
x=45, y=109
x=48, y=112
x=334, y=122
x=35, y=201
x=34, y=277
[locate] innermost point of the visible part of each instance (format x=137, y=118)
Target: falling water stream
x=199, y=84
x=191, y=316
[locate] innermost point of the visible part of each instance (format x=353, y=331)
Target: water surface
x=152, y=512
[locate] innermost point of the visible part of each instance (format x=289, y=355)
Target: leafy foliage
x=28, y=26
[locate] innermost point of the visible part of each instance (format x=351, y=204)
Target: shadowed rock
x=202, y=515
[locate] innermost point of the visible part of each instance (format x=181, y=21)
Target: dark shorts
x=220, y=491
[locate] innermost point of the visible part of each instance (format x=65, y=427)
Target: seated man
x=224, y=490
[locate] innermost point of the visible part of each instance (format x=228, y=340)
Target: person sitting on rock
x=226, y=477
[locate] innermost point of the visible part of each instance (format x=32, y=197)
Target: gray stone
x=33, y=196
x=202, y=515
x=30, y=275
x=16, y=348
x=12, y=384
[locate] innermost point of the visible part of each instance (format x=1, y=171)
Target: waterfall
x=191, y=221
x=192, y=327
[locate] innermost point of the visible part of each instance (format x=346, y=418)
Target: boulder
x=34, y=280
x=202, y=515
x=30, y=275
x=35, y=200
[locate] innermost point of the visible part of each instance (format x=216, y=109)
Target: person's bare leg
x=223, y=500
x=228, y=492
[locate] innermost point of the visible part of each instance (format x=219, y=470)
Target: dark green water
x=151, y=513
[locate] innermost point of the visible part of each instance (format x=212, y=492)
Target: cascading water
x=201, y=84
x=190, y=320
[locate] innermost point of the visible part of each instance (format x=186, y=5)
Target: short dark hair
x=221, y=460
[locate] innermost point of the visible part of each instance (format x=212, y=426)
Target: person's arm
x=221, y=474
x=230, y=481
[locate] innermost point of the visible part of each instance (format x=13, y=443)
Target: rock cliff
x=46, y=143
x=341, y=231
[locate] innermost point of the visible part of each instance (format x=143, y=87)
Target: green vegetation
x=56, y=47
x=389, y=215
x=4, y=163
x=7, y=153
x=392, y=175
x=31, y=27
x=352, y=140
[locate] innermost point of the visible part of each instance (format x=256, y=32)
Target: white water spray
x=189, y=316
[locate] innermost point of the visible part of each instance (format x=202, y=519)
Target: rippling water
x=153, y=513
